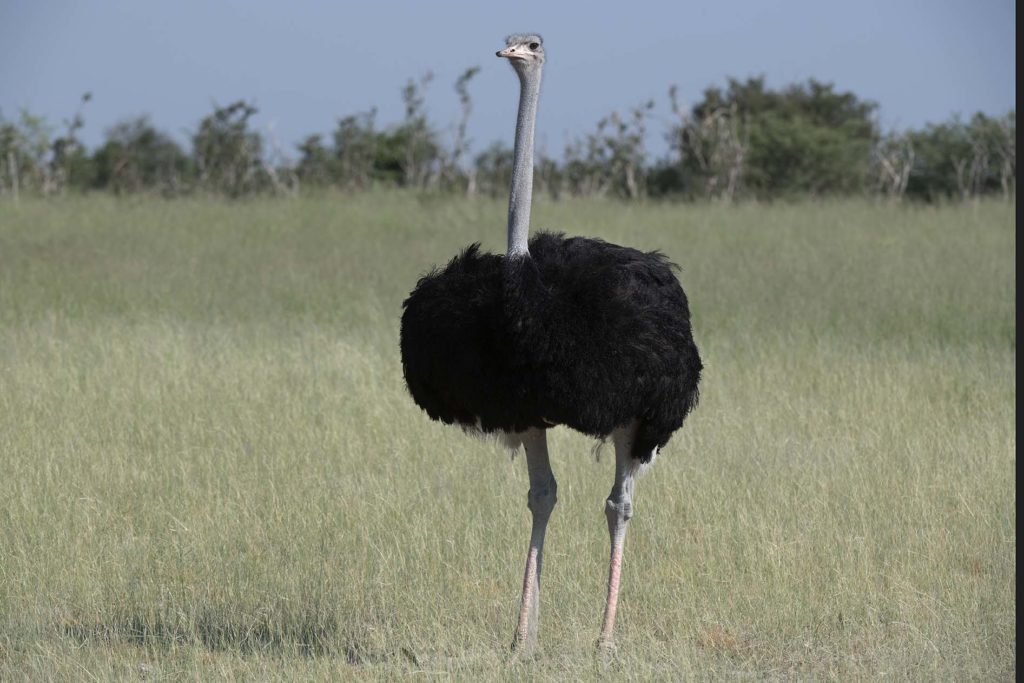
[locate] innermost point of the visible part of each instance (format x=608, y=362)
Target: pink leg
x=525, y=637
x=541, y=502
x=618, y=519
x=618, y=509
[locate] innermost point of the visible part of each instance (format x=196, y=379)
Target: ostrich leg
x=541, y=501
x=618, y=509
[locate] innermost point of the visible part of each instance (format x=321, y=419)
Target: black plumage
x=578, y=332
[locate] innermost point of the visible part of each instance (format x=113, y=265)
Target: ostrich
x=558, y=331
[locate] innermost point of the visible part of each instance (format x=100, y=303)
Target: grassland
x=211, y=469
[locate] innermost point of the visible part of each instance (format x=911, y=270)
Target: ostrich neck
x=522, y=166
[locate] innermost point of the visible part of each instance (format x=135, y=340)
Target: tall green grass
x=211, y=469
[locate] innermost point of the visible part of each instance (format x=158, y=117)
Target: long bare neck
x=522, y=167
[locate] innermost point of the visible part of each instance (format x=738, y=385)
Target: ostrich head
x=525, y=52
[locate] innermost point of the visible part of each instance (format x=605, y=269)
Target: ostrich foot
x=606, y=650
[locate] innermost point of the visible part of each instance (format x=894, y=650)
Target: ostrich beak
x=510, y=53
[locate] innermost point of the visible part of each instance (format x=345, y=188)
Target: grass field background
x=211, y=468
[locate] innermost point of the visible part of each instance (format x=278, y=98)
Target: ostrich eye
x=534, y=46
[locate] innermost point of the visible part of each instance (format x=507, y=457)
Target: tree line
x=741, y=141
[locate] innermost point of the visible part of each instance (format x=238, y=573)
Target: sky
x=305, y=64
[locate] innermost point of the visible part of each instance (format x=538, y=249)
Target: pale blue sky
x=306, y=63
